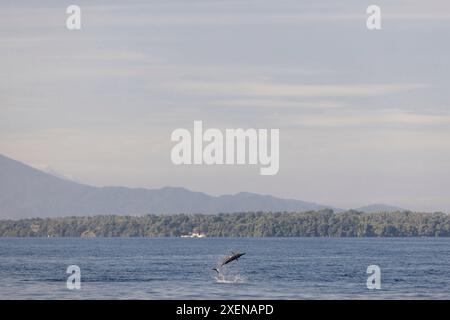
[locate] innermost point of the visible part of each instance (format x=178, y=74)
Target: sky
x=364, y=116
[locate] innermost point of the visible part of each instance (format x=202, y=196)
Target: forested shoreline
x=323, y=223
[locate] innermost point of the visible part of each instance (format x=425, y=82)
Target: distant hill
x=27, y=192
x=376, y=208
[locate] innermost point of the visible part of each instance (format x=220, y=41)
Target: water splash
x=224, y=275
x=231, y=279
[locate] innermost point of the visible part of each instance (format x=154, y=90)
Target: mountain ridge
x=379, y=207
x=27, y=192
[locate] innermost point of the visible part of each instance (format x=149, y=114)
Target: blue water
x=179, y=268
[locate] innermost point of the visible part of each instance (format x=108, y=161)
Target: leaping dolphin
x=228, y=259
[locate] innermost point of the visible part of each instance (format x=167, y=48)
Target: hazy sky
x=364, y=116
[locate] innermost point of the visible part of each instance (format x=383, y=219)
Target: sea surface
x=180, y=268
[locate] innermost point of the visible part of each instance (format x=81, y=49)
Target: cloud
x=261, y=89
x=219, y=13
x=277, y=103
x=368, y=118
x=247, y=12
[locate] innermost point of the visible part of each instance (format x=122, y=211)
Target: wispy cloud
x=368, y=119
x=261, y=89
x=276, y=103
x=221, y=13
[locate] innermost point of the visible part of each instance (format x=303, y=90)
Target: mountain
x=51, y=171
x=27, y=192
x=376, y=208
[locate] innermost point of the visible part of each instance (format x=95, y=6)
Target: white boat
x=194, y=235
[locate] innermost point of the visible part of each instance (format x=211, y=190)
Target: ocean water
x=180, y=268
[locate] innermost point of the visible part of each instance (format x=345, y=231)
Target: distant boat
x=194, y=235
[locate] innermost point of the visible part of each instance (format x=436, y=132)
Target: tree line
x=324, y=223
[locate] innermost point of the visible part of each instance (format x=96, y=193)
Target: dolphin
x=228, y=259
